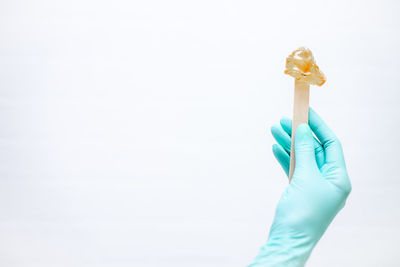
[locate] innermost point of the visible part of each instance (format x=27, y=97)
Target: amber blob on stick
x=301, y=65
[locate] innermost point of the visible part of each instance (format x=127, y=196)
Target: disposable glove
x=317, y=192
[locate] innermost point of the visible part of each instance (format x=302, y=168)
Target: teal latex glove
x=317, y=192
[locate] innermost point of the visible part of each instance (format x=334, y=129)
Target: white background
x=136, y=133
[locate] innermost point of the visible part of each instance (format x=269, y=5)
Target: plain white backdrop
x=136, y=133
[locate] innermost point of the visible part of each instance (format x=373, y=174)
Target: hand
x=317, y=192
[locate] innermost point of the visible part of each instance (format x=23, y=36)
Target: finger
x=281, y=137
x=286, y=124
x=329, y=141
x=282, y=157
x=304, y=149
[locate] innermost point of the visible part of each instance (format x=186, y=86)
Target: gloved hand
x=317, y=192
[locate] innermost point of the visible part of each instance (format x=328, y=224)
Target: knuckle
x=347, y=187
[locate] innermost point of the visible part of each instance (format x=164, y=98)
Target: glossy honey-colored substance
x=301, y=65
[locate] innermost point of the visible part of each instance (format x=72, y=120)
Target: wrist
x=289, y=250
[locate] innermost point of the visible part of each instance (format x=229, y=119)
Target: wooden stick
x=300, y=115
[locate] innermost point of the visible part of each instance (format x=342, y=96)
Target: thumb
x=304, y=148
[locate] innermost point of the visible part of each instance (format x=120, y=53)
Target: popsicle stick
x=300, y=115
